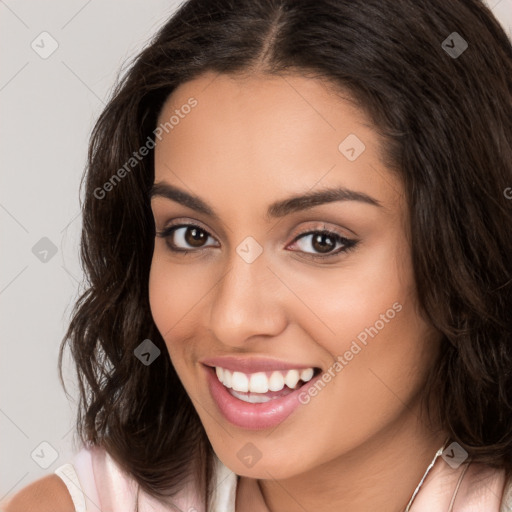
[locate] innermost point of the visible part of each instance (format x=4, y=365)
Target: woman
x=297, y=237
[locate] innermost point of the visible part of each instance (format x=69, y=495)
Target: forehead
x=263, y=134
x=265, y=105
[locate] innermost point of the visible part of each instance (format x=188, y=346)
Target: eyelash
x=349, y=244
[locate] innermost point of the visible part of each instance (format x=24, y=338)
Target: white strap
x=506, y=504
x=70, y=478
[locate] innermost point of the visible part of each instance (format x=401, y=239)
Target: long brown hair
x=446, y=122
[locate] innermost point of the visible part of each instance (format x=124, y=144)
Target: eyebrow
x=275, y=210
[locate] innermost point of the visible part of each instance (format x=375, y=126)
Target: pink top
x=96, y=483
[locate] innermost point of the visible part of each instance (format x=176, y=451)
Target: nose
x=247, y=302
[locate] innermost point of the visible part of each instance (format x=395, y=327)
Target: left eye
x=185, y=238
x=324, y=243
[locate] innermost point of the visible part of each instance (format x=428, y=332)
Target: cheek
x=365, y=317
x=175, y=290
x=345, y=301
x=174, y=294
x=380, y=379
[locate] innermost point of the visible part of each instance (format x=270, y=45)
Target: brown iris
x=195, y=236
x=322, y=242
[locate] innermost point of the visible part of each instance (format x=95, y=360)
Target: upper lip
x=253, y=364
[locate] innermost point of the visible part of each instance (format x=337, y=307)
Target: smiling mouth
x=262, y=387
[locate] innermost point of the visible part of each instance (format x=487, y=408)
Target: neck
x=380, y=474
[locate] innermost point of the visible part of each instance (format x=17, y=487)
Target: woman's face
x=265, y=291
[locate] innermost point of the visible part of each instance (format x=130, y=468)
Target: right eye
x=184, y=238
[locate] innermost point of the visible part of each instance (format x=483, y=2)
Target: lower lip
x=253, y=416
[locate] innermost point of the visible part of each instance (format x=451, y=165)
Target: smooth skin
x=47, y=494
x=361, y=444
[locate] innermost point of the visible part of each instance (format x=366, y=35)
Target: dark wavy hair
x=446, y=124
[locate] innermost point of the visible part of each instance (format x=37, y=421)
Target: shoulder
x=48, y=494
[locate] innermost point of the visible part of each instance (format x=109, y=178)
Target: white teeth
x=260, y=382
x=227, y=378
x=276, y=381
x=240, y=382
x=291, y=379
x=307, y=374
x=252, y=399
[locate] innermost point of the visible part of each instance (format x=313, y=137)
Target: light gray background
x=48, y=107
